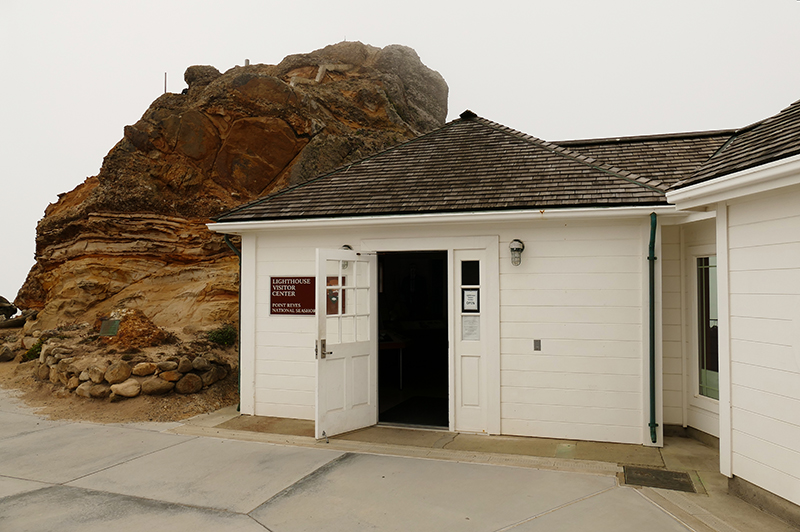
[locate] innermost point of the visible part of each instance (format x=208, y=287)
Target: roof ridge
x=653, y=184
x=651, y=137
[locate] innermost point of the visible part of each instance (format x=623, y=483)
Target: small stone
x=84, y=389
x=6, y=354
x=63, y=377
x=96, y=374
x=51, y=361
x=201, y=364
x=44, y=352
x=156, y=386
x=73, y=383
x=53, y=375
x=84, y=376
x=167, y=365
x=171, y=376
x=190, y=383
x=118, y=372
x=129, y=388
x=65, y=365
x=142, y=369
x=184, y=365
x=43, y=372
x=100, y=391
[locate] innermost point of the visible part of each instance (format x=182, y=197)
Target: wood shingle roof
x=669, y=158
x=769, y=140
x=470, y=164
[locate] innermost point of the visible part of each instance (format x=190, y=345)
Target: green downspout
x=239, y=344
x=651, y=259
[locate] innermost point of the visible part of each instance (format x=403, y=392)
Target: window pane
x=332, y=330
x=362, y=301
x=362, y=274
x=348, y=325
x=707, y=327
x=362, y=328
x=470, y=272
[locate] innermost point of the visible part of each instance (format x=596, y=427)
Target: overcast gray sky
x=75, y=73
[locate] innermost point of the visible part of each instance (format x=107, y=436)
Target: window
x=707, y=327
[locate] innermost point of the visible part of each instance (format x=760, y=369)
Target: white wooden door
x=471, y=341
x=347, y=345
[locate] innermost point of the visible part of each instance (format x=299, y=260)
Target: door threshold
x=411, y=426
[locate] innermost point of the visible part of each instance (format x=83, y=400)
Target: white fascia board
x=237, y=228
x=764, y=178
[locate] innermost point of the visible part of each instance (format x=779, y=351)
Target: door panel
x=470, y=351
x=347, y=328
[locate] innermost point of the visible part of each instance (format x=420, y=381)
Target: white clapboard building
x=482, y=280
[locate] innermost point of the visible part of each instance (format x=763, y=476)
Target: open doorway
x=413, y=351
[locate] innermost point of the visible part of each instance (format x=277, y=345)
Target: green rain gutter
x=651, y=259
x=239, y=343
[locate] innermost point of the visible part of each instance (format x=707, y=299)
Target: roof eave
x=469, y=217
x=766, y=177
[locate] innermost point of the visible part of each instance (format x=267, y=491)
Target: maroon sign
x=292, y=295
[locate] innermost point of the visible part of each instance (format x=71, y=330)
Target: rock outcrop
x=134, y=235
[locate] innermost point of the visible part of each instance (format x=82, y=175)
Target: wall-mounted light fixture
x=345, y=263
x=517, y=247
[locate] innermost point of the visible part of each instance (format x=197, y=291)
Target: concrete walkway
x=196, y=476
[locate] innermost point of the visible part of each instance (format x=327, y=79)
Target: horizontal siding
x=765, y=403
x=569, y=430
x=778, y=382
x=573, y=364
x=285, y=368
x=284, y=410
x=579, y=291
x=605, y=348
x=764, y=235
x=671, y=323
x=769, y=233
x=772, y=456
x=577, y=382
x=753, y=353
x=569, y=297
x=765, y=282
x=555, y=397
x=761, y=305
x=772, y=479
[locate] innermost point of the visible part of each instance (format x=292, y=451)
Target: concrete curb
x=511, y=460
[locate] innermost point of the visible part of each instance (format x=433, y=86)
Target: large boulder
x=6, y=309
x=134, y=235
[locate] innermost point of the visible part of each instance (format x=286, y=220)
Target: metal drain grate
x=659, y=478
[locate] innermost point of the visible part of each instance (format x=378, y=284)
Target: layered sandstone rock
x=134, y=235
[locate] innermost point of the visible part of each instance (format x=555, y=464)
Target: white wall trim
x=481, y=217
x=763, y=178
x=247, y=325
x=723, y=305
x=490, y=246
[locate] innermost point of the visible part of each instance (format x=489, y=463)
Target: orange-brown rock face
x=134, y=235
